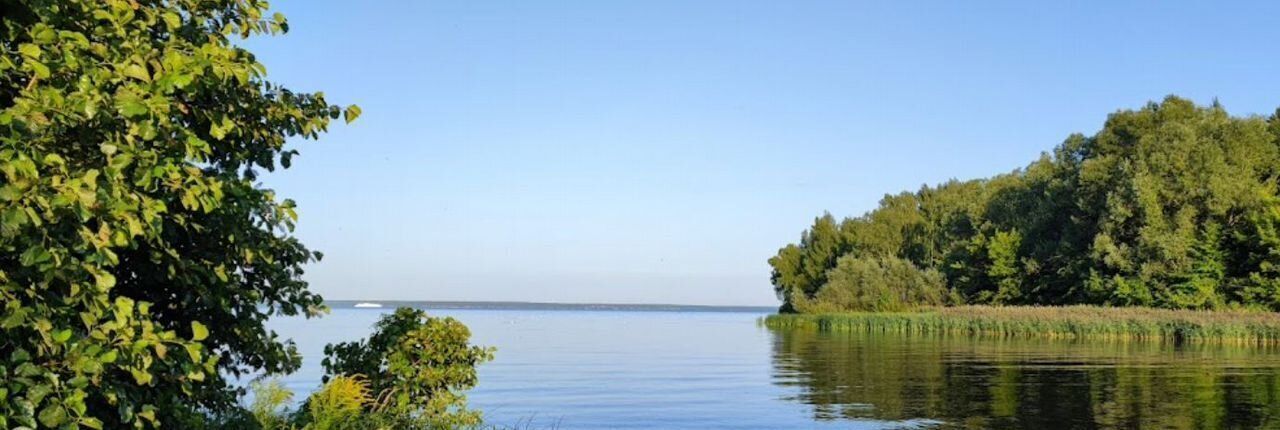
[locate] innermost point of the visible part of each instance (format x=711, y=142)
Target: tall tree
x=800, y=270
x=139, y=260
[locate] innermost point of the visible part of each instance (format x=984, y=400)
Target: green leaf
x=193, y=351
x=26, y=167
x=131, y=107
x=13, y=218
x=9, y=193
x=43, y=34
x=217, y=132
x=29, y=50
x=137, y=72
x=19, y=356
x=172, y=20
x=121, y=161
x=198, y=331
x=92, y=423
x=124, y=306
x=36, y=254
x=53, y=416
x=148, y=412
x=103, y=280
x=37, y=393
x=42, y=71
x=54, y=160
x=219, y=129
x=351, y=113
x=142, y=377
x=62, y=336
x=13, y=320
x=108, y=357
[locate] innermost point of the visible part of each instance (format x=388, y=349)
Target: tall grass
x=338, y=403
x=270, y=398
x=1092, y=322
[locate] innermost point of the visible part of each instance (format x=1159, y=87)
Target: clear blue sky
x=661, y=151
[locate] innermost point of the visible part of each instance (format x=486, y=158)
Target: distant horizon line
x=536, y=304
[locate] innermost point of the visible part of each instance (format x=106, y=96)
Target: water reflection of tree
x=1028, y=384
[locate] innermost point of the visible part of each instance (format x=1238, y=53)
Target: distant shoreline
x=544, y=306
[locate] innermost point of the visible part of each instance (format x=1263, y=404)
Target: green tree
x=138, y=259
x=800, y=270
x=1173, y=205
x=1158, y=181
x=1004, y=272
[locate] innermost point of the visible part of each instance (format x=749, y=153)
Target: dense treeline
x=1173, y=205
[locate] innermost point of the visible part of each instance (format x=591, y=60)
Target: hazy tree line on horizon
x=1173, y=205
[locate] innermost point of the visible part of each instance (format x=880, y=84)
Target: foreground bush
x=409, y=374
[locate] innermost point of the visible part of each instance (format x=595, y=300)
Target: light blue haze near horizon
x=662, y=151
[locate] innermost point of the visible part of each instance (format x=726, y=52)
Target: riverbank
x=1082, y=322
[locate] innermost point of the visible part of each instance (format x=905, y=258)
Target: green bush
x=876, y=284
x=340, y=404
x=270, y=397
x=408, y=375
x=417, y=368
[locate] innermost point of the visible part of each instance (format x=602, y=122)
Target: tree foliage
x=138, y=257
x=803, y=267
x=1173, y=205
x=875, y=284
x=417, y=367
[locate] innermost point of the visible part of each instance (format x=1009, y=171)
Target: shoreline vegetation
x=1163, y=226
x=1080, y=322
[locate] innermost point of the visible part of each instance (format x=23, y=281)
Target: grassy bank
x=1136, y=324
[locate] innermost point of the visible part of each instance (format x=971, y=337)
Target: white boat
x=368, y=305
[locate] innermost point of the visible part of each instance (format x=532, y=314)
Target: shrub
x=408, y=375
x=270, y=398
x=339, y=404
x=876, y=284
x=417, y=367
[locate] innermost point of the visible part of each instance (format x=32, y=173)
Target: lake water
x=697, y=370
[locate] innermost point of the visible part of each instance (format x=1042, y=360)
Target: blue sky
x=662, y=151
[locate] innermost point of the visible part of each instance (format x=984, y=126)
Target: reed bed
x=1071, y=322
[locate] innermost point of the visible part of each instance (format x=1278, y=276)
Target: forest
x=1173, y=206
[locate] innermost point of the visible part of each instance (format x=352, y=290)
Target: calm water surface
x=697, y=370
